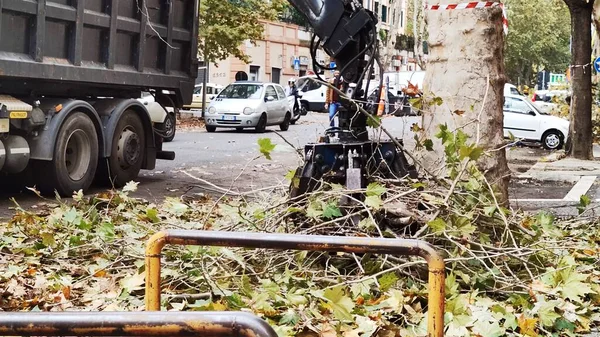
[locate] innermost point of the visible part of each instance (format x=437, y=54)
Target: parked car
x=169, y=127
x=524, y=120
x=248, y=104
x=313, y=93
x=510, y=89
x=398, y=106
x=212, y=90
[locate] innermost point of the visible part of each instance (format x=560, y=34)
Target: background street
x=231, y=160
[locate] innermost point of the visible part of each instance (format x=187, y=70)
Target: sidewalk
x=557, y=167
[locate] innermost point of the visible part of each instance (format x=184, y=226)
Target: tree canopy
x=538, y=38
x=225, y=25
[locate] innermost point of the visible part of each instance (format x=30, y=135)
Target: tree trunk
x=581, y=79
x=465, y=49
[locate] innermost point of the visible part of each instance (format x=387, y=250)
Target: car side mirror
x=269, y=99
x=531, y=113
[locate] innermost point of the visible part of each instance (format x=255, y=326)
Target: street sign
x=597, y=64
x=296, y=64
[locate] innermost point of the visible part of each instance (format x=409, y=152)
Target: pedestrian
x=288, y=89
x=332, y=102
x=293, y=91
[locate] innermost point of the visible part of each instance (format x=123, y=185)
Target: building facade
x=283, y=53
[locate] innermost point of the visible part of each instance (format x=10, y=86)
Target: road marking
x=583, y=185
x=537, y=200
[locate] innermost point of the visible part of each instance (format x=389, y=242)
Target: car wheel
x=170, y=127
x=262, y=124
x=304, y=109
x=210, y=128
x=552, y=140
x=286, y=123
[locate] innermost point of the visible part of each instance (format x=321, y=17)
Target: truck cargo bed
x=83, y=48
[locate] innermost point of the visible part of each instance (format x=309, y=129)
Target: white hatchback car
x=247, y=104
x=524, y=120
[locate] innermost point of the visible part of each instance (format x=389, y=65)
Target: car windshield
x=301, y=82
x=241, y=91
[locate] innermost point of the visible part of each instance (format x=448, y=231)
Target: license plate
x=4, y=125
x=228, y=118
x=18, y=114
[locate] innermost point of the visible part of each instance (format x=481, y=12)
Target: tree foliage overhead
x=225, y=25
x=538, y=38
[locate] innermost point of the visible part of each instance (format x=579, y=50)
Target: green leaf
x=485, y=329
x=265, y=147
x=572, y=286
x=71, y=215
x=313, y=210
x=107, y=231
x=366, y=326
x=152, y=214
x=437, y=224
x=374, y=121
x=428, y=144
x=489, y=210
x=375, y=189
x=340, y=304
x=331, y=210
x=48, y=239
x=374, y=202
x=290, y=317
x=546, y=312
x=362, y=288
x=562, y=324
x=290, y=174
x=396, y=300
x=437, y=101
x=387, y=280
x=584, y=202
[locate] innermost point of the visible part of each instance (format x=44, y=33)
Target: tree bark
x=465, y=50
x=581, y=79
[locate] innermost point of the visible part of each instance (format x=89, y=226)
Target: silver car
x=249, y=105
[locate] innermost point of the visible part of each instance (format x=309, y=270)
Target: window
x=514, y=91
x=394, y=17
x=309, y=85
x=209, y=90
x=383, y=13
x=271, y=92
x=376, y=8
x=401, y=18
x=197, y=90
x=516, y=105
x=254, y=73
x=280, y=92
x=241, y=91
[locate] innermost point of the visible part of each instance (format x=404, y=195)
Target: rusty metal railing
x=171, y=323
x=435, y=323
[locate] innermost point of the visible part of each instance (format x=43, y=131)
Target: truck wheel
x=170, y=127
x=127, y=155
x=75, y=158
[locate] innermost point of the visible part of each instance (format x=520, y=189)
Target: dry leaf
x=527, y=326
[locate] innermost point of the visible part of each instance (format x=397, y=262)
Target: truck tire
x=127, y=154
x=75, y=159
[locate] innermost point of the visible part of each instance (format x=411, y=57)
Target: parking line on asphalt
x=537, y=200
x=583, y=185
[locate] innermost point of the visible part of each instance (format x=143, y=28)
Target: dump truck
x=72, y=73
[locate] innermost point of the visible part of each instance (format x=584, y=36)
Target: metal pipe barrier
x=144, y=323
x=435, y=319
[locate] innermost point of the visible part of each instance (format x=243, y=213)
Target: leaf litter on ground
x=508, y=272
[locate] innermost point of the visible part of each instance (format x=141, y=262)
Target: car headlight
x=248, y=111
x=212, y=110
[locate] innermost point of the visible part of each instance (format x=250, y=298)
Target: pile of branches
x=508, y=273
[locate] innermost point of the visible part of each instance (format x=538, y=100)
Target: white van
x=313, y=93
x=212, y=90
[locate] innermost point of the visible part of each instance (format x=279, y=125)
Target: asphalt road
x=231, y=160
